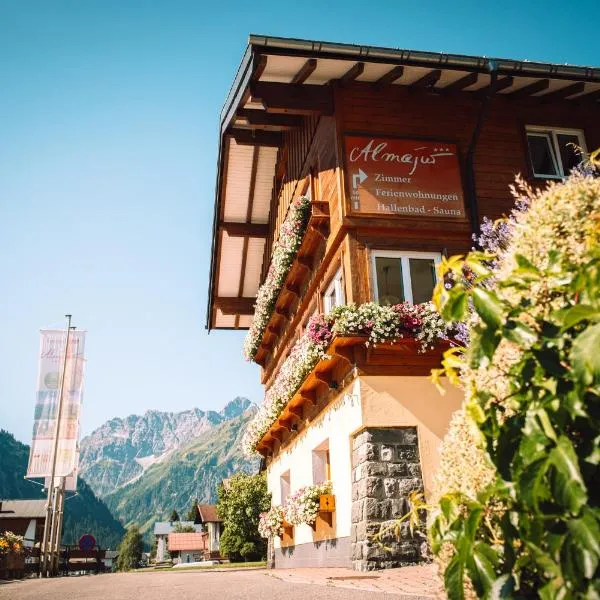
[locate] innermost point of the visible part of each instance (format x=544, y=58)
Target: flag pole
x=46, y=549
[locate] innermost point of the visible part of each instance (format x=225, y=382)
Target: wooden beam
x=235, y=306
x=591, y=97
x=392, y=75
x=305, y=72
x=299, y=99
x=532, y=88
x=428, y=80
x=306, y=263
x=346, y=353
x=296, y=411
x=462, y=83
x=277, y=434
x=309, y=397
x=258, y=230
x=352, y=73
x=293, y=289
x=249, y=137
x=283, y=313
x=563, y=93
x=260, y=118
x=323, y=378
x=501, y=84
x=260, y=62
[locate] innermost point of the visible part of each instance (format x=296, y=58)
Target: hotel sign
x=401, y=177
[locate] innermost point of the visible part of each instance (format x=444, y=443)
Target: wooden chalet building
x=401, y=154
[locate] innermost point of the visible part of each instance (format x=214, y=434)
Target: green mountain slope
x=194, y=471
x=84, y=513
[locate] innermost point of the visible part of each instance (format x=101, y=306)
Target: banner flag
x=51, y=362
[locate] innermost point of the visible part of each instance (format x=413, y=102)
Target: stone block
x=397, y=470
x=391, y=487
x=374, y=487
x=361, y=531
x=411, y=484
x=388, y=453
x=409, y=436
x=371, y=509
x=361, y=438
x=358, y=509
x=371, y=451
x=375, y=551
x=414, y=470
x=406, y=453
x=374, y=468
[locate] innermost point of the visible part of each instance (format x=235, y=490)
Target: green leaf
x=519, y=333
x=485, y=561
x=585, y=355
x=503, y=587
x=574, y=315
x=531, y=483
x=568, y=486
x=586, y=531
x=454, y=579
x=489, y=307
x=455, y=307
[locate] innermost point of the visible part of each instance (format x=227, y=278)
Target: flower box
x=327, y=503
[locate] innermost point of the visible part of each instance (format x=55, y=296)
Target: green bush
x=130, y=550
x=530, y=525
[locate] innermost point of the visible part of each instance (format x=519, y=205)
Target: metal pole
x=58, y=518
x=46, y=553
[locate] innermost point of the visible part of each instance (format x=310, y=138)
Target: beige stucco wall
x=399, y=401
x=336, y=424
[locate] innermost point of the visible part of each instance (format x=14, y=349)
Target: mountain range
x=144, y=467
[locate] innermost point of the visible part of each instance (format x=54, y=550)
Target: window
x=334, y=294
x=554, y=152
x=284, y=482
x=321, y=463
x=404, y=276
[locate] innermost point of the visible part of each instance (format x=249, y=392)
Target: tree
x=174, y=516
x=240, y=504
x=192, y=514
x=130, y=550
x=179, y=528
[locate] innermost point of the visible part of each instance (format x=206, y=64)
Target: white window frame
x=551, y=134
x=336, y=286
x=404, y=259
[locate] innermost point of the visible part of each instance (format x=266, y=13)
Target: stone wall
x=385, y=469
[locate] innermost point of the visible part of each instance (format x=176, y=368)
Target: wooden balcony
x=300, y=272
x=347, y=357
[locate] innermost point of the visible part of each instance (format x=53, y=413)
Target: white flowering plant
x=270, y=523
x=379, y=324
x=284, y=253
x=302, y=507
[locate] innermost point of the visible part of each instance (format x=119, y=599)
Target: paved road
x=236, y=585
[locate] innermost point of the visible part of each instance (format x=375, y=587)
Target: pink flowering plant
x=379, y=324
x=270, y=523
x=302, y=507
x=284, y=253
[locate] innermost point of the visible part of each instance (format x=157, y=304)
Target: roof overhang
x=282, y=80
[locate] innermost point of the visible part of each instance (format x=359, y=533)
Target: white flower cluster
x=284, y=253
x=270, y=523
x=304, y=356
x=300, y=508
x=303, y=506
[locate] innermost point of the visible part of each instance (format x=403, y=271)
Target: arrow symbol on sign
x=358, y=178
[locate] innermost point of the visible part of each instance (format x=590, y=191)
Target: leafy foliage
x=174, y=516
x=532, y=380
x=240, y=504
x=130, y=550
x=192, y=514
x=180, y=528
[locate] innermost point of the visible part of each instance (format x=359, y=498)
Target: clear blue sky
x=108, y=139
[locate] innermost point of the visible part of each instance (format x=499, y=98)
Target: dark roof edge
x=523, y=68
